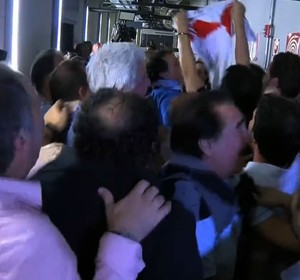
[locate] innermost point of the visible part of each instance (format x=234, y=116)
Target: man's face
x=226, y=150
x=174, y=70
x=143, y=82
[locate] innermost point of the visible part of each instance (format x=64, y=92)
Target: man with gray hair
x=120, y=66
x=116, y=65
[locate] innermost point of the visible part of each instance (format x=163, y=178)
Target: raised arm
x=192, y=80
x=241, y=47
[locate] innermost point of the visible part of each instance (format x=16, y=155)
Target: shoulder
x=27, y=232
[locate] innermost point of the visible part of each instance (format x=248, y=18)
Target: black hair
x=195, y=118
x=276, y=129
x=286, y=68
x=84, y=48
x=15, y=114
x=244, y=87
x=258, y=71
x=43, y=65
x=67, y=79
x=131, y=142
x=156, y=64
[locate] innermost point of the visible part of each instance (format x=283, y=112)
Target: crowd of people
x=121, y=163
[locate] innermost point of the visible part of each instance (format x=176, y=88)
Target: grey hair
x=115, y=65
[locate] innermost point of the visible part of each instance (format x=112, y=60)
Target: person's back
x=114, y=156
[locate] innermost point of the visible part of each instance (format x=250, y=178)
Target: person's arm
x=32, y=248
x=279, y=232
x=242, y=55
x=118, y=258
x=273, y=198
x=295, y=208
x=129, y=222
x=56, y=120
x=187, y=60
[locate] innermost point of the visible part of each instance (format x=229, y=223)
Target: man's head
x=116, y=127
x=210, y=127
x=244, y=87
x=258, y=71
x=21, y=125
x=276, y=130
x=84, y=50
x=284, y=74
x=120, y=66
x=68, y=82
x=164, y=65
x=41, y=69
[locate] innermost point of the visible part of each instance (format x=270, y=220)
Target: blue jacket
x=164, y=91
x=213, y=204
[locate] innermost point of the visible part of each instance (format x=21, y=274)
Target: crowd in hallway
x=120, y=163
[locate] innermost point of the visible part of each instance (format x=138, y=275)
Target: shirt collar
x=265, y=170
x=28, y=192
x=215, y=190
x=188, y=161
x=172, y=84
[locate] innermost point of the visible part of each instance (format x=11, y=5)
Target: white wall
x=286, y=20
x=78, y=25
x=258, y=14
x=35, y=25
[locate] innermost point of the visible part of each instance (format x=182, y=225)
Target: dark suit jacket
x=70, y=198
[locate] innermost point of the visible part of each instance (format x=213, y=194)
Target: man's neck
x=258, y=158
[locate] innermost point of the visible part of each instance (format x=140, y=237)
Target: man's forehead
x=229, y=113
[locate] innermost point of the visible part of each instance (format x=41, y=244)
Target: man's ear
x=83, y=93
x=206, y=147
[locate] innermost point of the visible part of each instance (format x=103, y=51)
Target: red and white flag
x=213, y=39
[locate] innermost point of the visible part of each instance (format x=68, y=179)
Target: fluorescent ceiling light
x=60, y=5
x=15, y=35
x=86, y=23
x=100, y=28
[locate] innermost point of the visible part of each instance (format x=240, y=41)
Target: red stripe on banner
x=204, y=28
x=226, y=19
